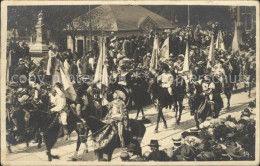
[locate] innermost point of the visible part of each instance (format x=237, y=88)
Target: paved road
x=66, y=149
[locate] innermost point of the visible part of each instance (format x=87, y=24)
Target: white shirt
x=167, y=79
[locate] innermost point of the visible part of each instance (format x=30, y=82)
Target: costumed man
x=208, y=88
x=59, y=106
x=125, y=75
x=219, y=72
x=118, y=113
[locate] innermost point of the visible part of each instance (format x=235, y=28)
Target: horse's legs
x=162, y=116
x=48, y=152
x=138, y=110
x=99, y=154
x=249, y=90
x=77, y=149
x=158, y=118
x=228, y=95
x=109, y=155
x=143, y=116
x=180, y=111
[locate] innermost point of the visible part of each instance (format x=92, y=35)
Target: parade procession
x=131, y=83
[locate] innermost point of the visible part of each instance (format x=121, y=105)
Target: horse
x=105, y=138
x=179, y=91
x=160, y=98
x=135, y=92
x=49, y=125
x=200, y=104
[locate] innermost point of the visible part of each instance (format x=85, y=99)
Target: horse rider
x=166, y=78
x=59, y=105
x=118, y=113
x=209, y=90
x=219, y=72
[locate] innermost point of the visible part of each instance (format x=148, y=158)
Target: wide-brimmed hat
x=154, y=143
x=251, y=104
x=246, y=112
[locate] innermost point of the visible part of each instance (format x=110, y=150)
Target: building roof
x=119, y=18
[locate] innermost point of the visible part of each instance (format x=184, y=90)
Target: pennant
x=164, y=51
x=154, y=60
x=186, y=59
x=235, y=43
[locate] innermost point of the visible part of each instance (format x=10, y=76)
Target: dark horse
x=200, y=104
x=49, y=125
x=96, y=126
x=135, y=92
x=160, y=98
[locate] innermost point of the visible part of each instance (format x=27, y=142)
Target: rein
x=52, y=123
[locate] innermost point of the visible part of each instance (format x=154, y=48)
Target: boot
x=66, y=133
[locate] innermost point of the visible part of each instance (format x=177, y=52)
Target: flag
x=67, y=85
x=154, y=60
x=186, y=59
x=165, y=51
x=220, y=41
x=211, y=52
x=101, y=74
x=235, y=43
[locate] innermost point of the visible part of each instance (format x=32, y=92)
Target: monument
x=39, y=48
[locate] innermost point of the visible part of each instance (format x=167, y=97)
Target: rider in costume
x=59, y=103
x=118, y=113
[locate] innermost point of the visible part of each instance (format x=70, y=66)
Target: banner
x=211, y=53
x=154, y=60
x=186, y=59
x=235, y=43
x=220, y=42
x=67, y=85
x=165, y=51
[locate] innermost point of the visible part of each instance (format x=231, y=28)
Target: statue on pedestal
x=40, y=47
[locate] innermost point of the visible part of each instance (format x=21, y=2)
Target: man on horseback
x=166, y=79
x=118, y=113
x=59, y=105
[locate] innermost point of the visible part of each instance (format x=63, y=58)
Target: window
x=246, y=17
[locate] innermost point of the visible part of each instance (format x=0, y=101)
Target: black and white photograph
x=130, y=82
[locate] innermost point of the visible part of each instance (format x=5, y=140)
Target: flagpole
x=188, y=15
x=90, y=29
x=102, y=64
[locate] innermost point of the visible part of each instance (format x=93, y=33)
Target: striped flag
x=165, y=51
x=154, y=60
x=68, y=87
x=101, y=74
x=235, y=43
x=220, y=42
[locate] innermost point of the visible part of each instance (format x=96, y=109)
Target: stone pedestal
x=39, y=48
